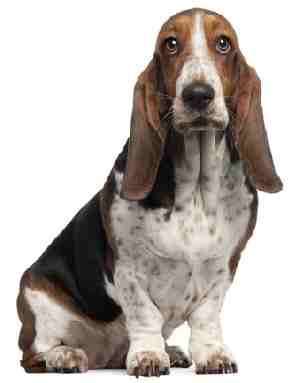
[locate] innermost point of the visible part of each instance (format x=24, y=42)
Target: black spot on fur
x=155, y=270
x=178, y=208
x=119, y=242
x=212, y=230
x=132, y=288
x=167, y=215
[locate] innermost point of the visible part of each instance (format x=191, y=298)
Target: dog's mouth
x=186, y=119
x=200, y=123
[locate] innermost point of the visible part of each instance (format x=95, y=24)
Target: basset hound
x=160, y=243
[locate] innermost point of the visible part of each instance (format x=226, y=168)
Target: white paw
x=148, y=363
x=66, y=359
x=214, y=359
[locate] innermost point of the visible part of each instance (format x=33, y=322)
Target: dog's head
x=198, y=79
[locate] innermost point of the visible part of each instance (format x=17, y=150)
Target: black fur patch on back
x=76, y=262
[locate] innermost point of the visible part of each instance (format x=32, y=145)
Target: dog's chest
x=184, y=254
x=188, y=235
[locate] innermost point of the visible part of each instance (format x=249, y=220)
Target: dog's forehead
x=184, y=22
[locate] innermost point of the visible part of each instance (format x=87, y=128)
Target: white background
x=67, y=71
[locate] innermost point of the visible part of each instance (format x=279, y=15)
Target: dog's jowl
x=160, y=243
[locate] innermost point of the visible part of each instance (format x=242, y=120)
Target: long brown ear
x=248, y=130
x=147, y=136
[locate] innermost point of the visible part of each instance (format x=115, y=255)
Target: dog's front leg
x=206, y=346
x=147, y=355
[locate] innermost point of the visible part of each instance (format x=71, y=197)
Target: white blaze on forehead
x=199, y=66
x=199, y=43
x=202, y=65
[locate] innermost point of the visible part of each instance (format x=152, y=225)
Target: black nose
x=198, y=95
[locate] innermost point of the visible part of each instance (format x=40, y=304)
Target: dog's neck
x=199, y=169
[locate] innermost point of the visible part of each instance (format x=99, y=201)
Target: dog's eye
x=171, y=45
x=223, y=45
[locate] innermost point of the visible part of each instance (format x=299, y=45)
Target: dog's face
x=198, y=79
x=198, y=52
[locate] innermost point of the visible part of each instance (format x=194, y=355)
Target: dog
x=159, y=245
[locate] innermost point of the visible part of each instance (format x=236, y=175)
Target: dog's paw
x=63, y=359
x=215, y=360
x=178, y=357
x=148, y=363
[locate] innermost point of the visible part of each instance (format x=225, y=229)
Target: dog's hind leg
x=56, y=338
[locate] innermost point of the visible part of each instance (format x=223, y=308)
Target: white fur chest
x=188, y=234
x=178, y=256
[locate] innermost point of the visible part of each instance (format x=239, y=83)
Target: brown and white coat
x=160, y=243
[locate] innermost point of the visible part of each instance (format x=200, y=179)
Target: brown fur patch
x=234, y=260
x=106, y=344
x=179, y=26
x=31, y=361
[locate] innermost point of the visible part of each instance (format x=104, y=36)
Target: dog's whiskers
x=164, y=95
x=169, y=114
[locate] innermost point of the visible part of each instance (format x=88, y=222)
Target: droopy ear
x=147, y=135
x=249, y=132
